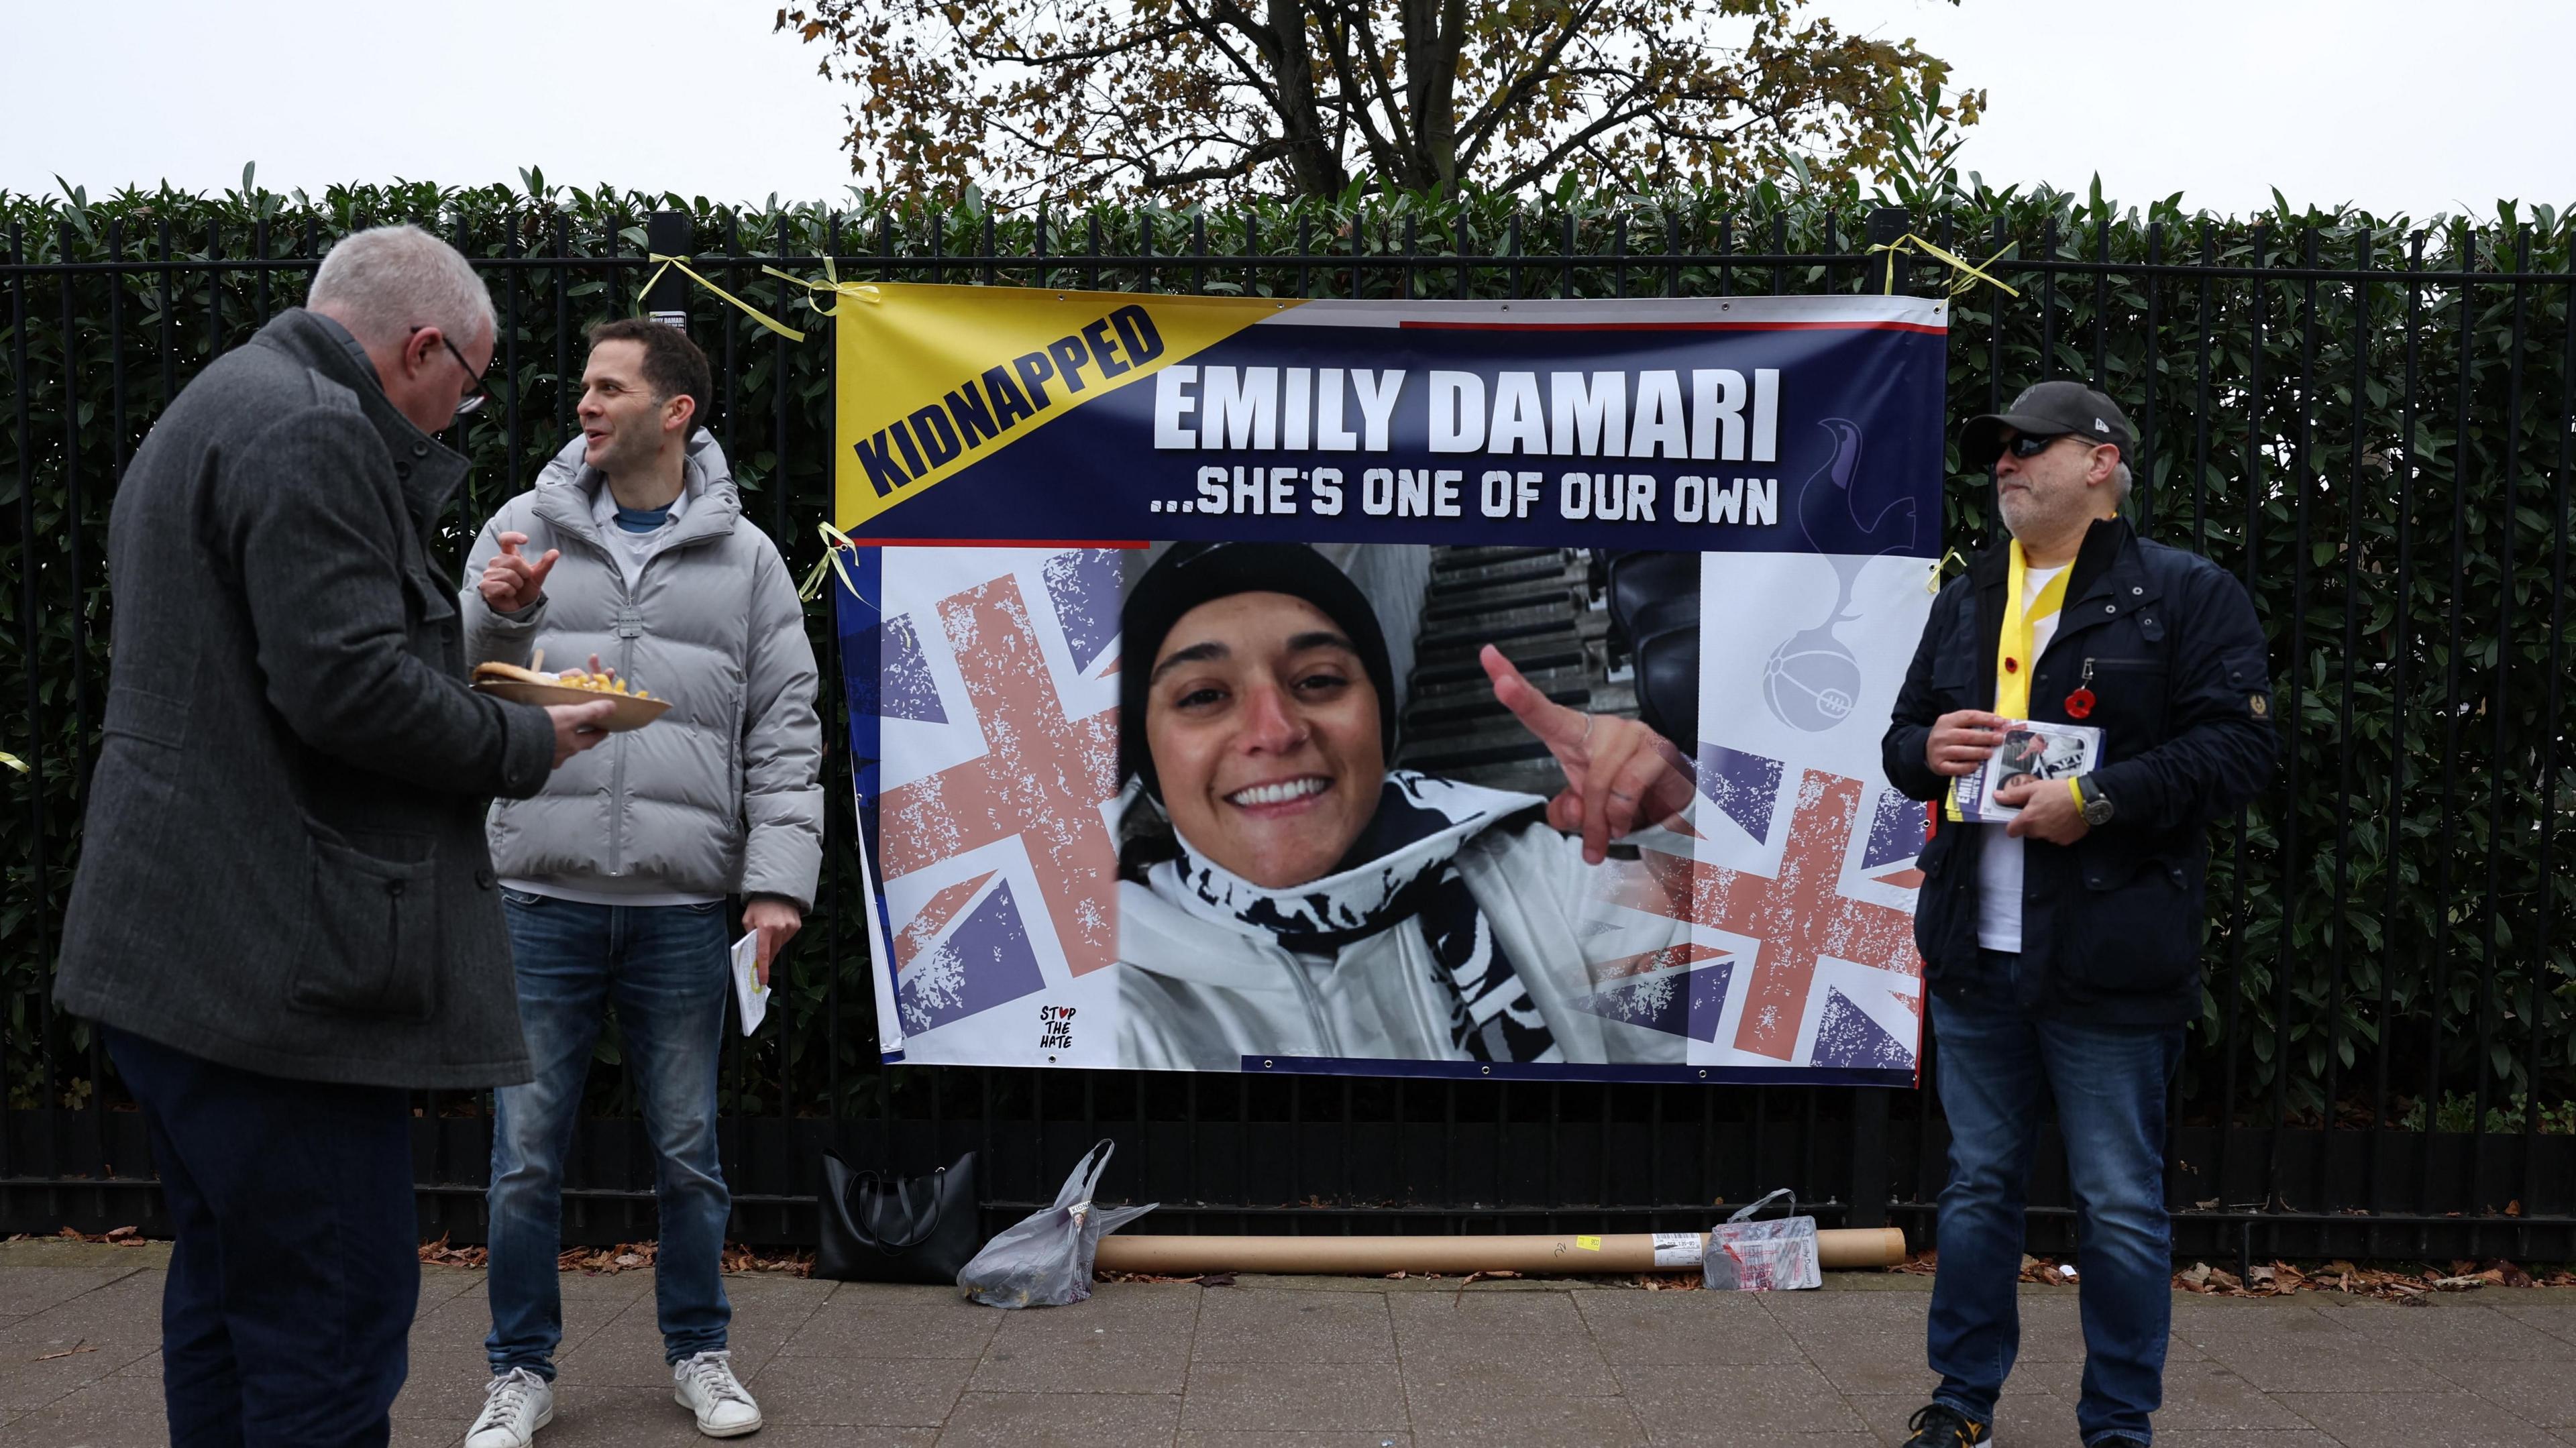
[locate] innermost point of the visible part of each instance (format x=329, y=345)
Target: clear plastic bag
x=1045, y=1261
x=1749, y=1256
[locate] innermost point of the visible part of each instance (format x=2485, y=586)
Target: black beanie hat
x=1191, y=574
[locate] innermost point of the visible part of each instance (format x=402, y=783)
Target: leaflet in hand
x=2047, y=750
x=749, y=995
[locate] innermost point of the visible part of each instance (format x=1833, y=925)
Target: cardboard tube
x=1172, y=1256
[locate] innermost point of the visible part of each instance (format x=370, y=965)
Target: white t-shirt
x=1999, y=854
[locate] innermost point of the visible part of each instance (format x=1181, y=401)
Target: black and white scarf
x=1402, y=867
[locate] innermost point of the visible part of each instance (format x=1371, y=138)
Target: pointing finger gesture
x=512, y=582
x=1564, y=731
x=1619, y=774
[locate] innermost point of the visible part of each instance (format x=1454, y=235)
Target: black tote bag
x=877, y=1228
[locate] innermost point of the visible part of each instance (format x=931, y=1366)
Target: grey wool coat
x=283, y=866
x=723, y=794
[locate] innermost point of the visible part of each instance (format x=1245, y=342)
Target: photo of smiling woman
x=1285, y=892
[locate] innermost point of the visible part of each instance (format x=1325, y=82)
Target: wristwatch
x=2097, y=805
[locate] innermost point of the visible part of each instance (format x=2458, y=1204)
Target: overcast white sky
x=2393, y=104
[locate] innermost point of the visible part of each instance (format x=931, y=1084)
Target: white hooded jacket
x=1204, y=993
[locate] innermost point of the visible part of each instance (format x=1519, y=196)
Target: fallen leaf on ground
x=112, y=1237
x=439, y=1254
x=2045, y=1272
x=739, y=1258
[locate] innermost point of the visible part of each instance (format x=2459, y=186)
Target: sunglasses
x=473, y=402
x=2030, y=445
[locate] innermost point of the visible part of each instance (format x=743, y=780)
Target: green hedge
x=2400, y=855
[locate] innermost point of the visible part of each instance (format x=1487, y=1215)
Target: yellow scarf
x=2014, y=660
x=2015, y=655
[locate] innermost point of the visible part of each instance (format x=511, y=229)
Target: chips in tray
x=635, y=707
x=599, y=684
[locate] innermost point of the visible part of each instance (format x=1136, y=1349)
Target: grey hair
x=2119, y=485
x=385, y=282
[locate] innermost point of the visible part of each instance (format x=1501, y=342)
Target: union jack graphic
x=995, y=691
x=1825, y=975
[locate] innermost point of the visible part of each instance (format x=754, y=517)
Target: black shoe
x=1938, y=1425
x=2120, y=1442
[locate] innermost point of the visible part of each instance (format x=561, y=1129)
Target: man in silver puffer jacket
x=632, y=550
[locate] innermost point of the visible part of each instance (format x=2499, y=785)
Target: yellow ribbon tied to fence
x=834, y=540
x=1966, y=273
x=756, y=314
x=831, y=282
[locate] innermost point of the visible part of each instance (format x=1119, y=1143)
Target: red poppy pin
x=2080, y=703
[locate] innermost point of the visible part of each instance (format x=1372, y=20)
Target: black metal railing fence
x=2371, y=425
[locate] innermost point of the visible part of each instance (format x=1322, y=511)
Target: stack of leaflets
x=2038, y=748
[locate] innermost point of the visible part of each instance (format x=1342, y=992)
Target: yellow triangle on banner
x=933, y=379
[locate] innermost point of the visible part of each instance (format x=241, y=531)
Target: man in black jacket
x=285, y=915
x=2063, y=947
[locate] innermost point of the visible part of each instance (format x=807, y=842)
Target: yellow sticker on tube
x=1588, y=1244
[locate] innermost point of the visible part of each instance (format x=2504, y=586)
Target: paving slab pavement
x=1284, y=1362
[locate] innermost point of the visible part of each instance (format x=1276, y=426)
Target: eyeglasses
x=474, y=400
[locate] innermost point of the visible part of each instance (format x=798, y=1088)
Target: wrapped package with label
x=1748, y=1256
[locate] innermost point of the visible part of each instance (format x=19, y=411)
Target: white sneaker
x=706, y=1386
x=515, y=1406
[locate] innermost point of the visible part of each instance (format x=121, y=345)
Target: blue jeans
x=665, y=968
x=2110, y=1085
x=286, y=1317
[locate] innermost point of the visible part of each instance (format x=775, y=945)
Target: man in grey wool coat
x=285, y=916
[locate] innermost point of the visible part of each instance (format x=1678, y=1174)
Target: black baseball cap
x=2050, y=409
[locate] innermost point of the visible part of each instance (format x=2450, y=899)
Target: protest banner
x=1071, y=861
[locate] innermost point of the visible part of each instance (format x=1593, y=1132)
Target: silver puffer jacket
x=723, y=793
